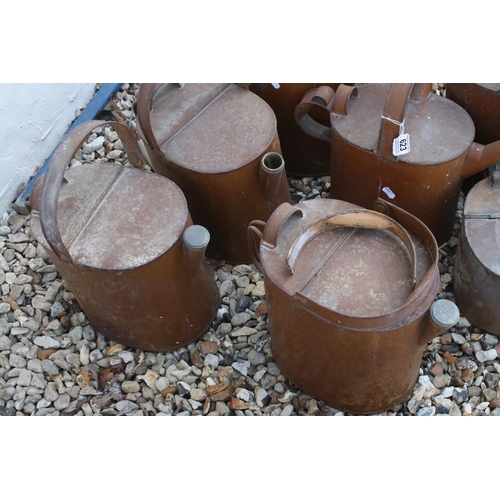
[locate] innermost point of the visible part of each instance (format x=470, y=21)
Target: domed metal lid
x=355, y=262
x=207, y=127
x=105, y=215
x=439, y=129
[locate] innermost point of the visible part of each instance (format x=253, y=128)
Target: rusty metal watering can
x=305, y=156
x=351, y=299
x=400, y=142
x=476, y=275
x=123, y=240
x=218, y=142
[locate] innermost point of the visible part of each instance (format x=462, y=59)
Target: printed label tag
x=388, y=192
x=401, y=145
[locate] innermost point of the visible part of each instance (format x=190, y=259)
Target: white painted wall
x=33, y=119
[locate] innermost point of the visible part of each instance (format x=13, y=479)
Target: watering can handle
x=144, y=108
x=55, y=173
x=394, y=111
x=326, y=98
x=360, y=218
x=253, y=231
x=268, y=233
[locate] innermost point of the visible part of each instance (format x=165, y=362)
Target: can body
x=430, y=192
x=210, y=139
x=348, y=322
x=156, y=307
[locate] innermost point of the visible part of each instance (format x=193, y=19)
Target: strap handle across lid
x=326, y=98
x=54, y=175
x=394, y=111
x=364, y=219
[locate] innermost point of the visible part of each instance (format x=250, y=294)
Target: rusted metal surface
x=116, y=234
x=349, y=292
x=304, y=155
x=482, y=102
x=476, y=275
x=210, y=140
x=427, y=180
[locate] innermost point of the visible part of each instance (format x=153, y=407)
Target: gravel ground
x=53, y=362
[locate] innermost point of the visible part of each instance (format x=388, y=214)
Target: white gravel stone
x=458, y=339
x=211, y=361
x=47, y=342
x=488, y=355
x=242, y=367
x=243, y=394
x=24, y=378
x=84, y=355
x=260, y=395
x=96, y=144
x=425, y=382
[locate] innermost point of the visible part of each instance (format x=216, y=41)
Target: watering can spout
x=271, y=166
x=195, y=239
x=442, y=316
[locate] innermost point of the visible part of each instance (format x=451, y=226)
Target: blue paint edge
x=99, y=101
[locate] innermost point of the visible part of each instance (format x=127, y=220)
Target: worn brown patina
x=117, y=235
x=212, y=141
x=476, y=275
x=364, y=123
x=305, y=156
x=350, y=296
x=482, y=102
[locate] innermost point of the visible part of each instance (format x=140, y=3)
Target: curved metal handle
x=252, y=232
x=268, y=236
x=363, y=219
x=395, y=107
x=144, y=108
x=321, y=97
x=55, y=173
x=276, y=221
x=325, y=97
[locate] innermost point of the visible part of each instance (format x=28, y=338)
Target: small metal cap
x=444, y=313
x=196, y=237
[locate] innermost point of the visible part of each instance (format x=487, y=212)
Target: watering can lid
x=211, y=127
x=494, y=87
x=482, y=223
x=114, y=217
x=439, y=129
x=359, y=272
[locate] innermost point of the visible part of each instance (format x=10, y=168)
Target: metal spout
x=195, y=239
x=442, y=316
x=271, y=166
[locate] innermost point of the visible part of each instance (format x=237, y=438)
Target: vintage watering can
x=305, y=156
x=218, y=142
x=350, y=296
x=476, y=275
x=400, y=142
x=482, y=102
x=123, y=240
